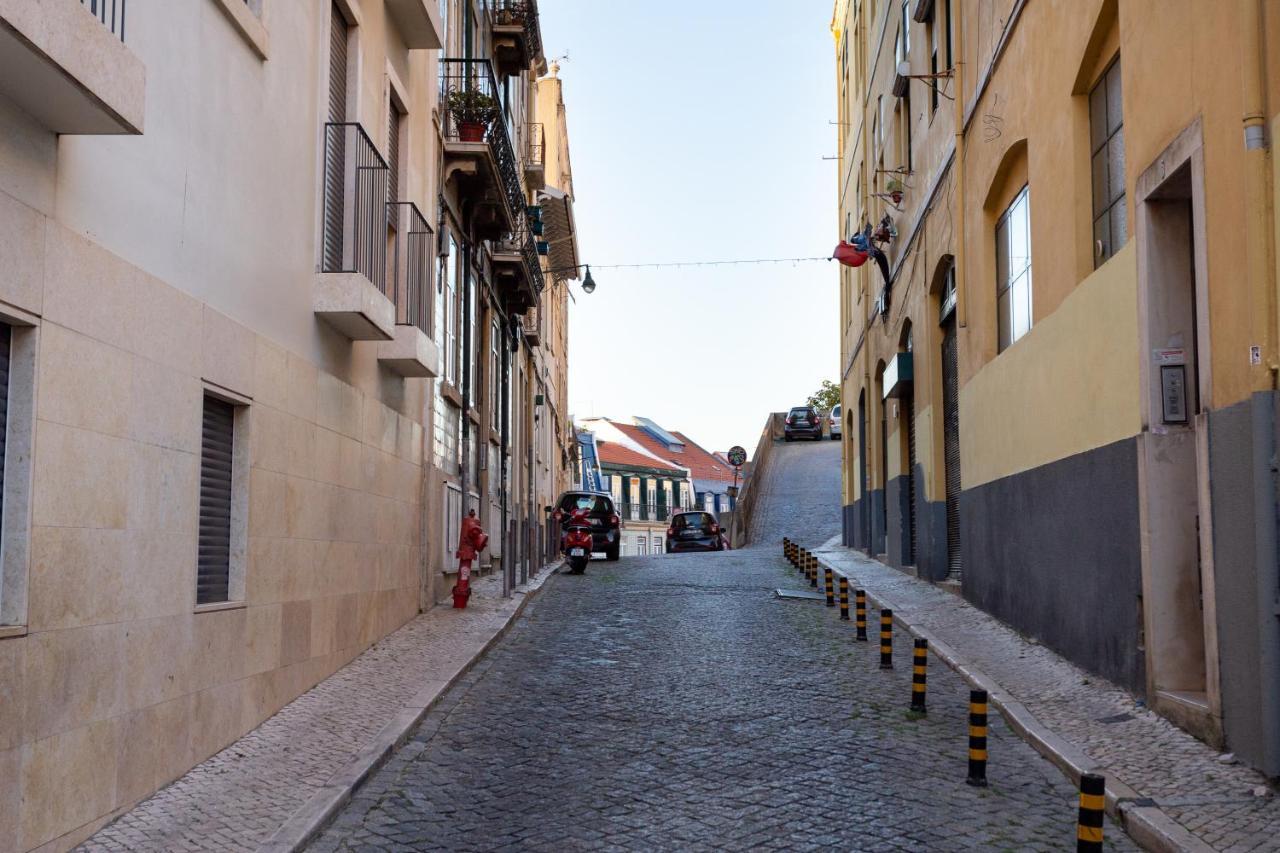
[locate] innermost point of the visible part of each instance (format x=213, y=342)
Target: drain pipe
x=958, y=238
x=1260, y=251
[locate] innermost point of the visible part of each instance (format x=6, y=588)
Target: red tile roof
x=617, y=454
x=703, y=465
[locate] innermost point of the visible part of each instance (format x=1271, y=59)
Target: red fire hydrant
x=471, y=541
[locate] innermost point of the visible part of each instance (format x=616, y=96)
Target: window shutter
x=213, y=555
x=335, y=143
x=393, y=153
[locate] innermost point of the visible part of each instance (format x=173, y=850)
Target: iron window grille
x=355, y=209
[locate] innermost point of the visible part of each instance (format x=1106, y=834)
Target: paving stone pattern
x=238, y=798
x=676, y=702
x=1214, y=801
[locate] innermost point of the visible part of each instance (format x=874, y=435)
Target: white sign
x=1169, y=355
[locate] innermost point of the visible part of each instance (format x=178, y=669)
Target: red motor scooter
x=577, y=541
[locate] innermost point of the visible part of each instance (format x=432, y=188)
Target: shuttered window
x=213, y=555
x=335, y=142
x=393, y=153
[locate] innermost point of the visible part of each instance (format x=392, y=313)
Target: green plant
x=472, y=106
x=826, y=397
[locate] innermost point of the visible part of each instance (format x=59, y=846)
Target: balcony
x=517, y=37
x=479, y=160
x=629, y=511
x=412, y=250
x=531, y=326
x=351, y=287
x=64, y=62
x=517, y=274
x=418, y=22
x=535, y=145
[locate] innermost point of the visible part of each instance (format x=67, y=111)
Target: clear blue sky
x=697, y=131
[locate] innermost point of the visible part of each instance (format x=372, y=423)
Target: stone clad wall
x=119, y=685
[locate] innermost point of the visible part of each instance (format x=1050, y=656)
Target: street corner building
x=284, y=293
x=1060, y=391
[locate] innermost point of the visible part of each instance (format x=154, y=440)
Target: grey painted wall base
x=898, y=536
x=1055, y=552
x=875, y=507
x=1243, y=490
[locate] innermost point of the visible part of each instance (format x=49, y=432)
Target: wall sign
x=1173, y=393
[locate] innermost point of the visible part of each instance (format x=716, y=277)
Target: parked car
x=802, y=422
x=694, y=531
x=833, y=422
x=606, y=525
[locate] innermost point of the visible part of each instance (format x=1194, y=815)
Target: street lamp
x=588, y=283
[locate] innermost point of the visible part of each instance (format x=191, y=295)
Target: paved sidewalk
x=269, y=787
x=1173, y=791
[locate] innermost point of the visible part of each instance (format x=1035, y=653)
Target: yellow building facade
x=1061, y=399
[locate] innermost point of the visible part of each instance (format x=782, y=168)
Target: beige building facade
x=231, y=232
x=1061, y=399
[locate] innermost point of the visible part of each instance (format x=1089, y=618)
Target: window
x=642, y=546
x=1013, y=269
x=223, y=504
x=906, y=32
x=946, y=29
x=934, y=34
x=451, y=313
x=17, y=379
x=495, y=370
x=1106, y=147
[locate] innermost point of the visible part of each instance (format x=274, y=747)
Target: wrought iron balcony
x=535, y=144
x=356, y=179
x=516, y=270
x=477, y=148
x=411, y=352
x=410, y=265
x=352, y=293
x=629, y=511
x=517, y=35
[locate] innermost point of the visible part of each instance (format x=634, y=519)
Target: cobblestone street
x=677, y=702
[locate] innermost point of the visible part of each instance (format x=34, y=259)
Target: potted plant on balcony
x=473, y=111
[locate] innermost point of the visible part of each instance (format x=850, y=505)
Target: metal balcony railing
x=648, y=511
x=522, y=12
x=535, y=147
x=356, y=213
x=472, y=102
x=521, y=242
x=109, y=12
x=411, y=265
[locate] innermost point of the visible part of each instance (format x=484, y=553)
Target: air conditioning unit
x=902, y=79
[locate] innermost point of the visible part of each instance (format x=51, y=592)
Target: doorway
x=864, y=517
x=951, y=426
x=1177, y=569
x=909, y=414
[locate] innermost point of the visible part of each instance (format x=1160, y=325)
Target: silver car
x=833, y=421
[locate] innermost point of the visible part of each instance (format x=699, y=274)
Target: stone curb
x=1145, y=823
x=312, y=817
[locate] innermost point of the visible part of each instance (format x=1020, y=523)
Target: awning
x=561, y=233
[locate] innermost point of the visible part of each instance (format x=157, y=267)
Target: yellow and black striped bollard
x=977, y=738
x=860, y=612
x=830, y=585
x=786, y=546
x=886, y=639
x=919, y=663
x=1093, y=804
x=844, y=598
x=787, y=551
x=813, y=570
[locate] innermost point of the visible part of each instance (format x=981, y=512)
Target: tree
x=825, y=398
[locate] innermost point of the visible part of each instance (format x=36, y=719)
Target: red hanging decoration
x=849, y=255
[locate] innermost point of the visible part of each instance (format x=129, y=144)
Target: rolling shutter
x=213, y=554
x=393, y=154
x=910, y=404
x=951, y=445
x=335, y=143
